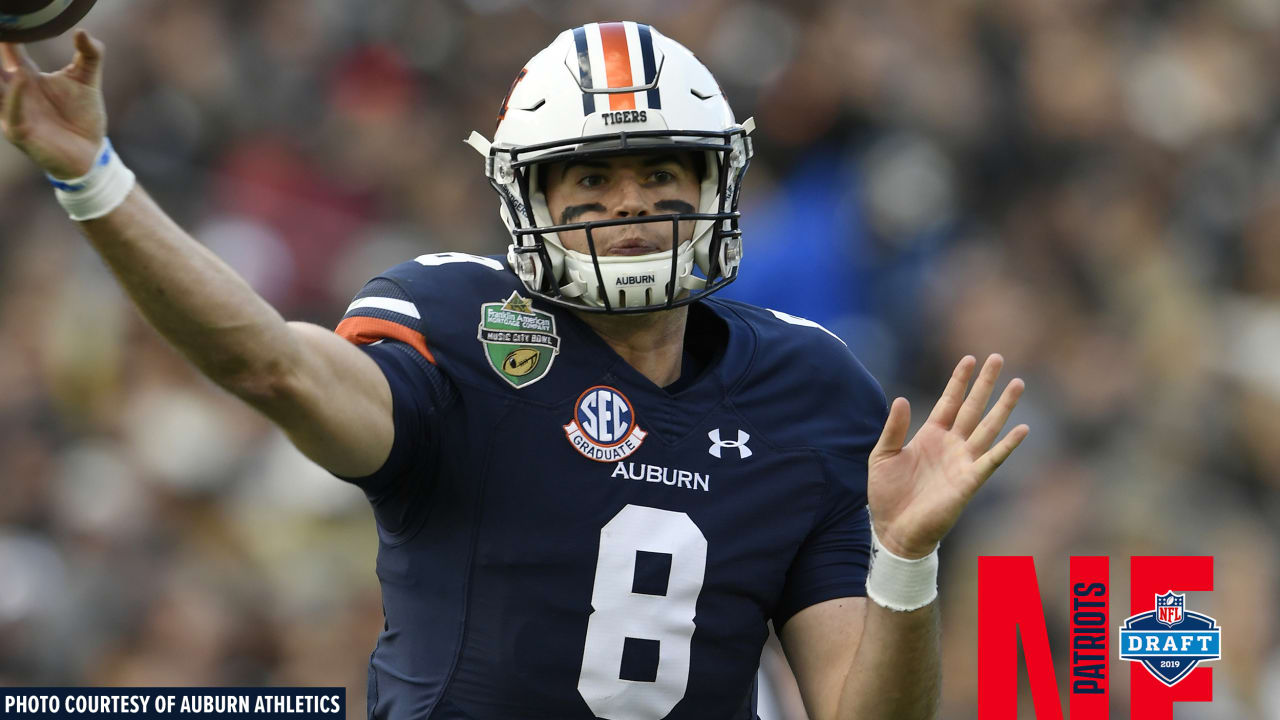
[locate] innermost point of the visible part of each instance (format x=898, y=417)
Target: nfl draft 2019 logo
x=604, y=426
x=1169, y=640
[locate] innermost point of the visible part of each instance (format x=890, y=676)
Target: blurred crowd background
x=1090, y=187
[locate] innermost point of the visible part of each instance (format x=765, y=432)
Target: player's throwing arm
x=328, y=396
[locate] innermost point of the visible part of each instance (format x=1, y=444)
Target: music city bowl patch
x=1170, y=640
x=604, y=426
x=519, y=341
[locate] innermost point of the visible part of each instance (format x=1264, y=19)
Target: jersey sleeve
x=382, y=310
x=833, y=559
x=385, y=323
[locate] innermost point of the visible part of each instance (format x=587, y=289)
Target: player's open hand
x=57, y=118
x=917, y=492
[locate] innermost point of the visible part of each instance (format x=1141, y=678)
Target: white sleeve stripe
x=402, y=307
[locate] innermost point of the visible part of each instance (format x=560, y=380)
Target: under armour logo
x=741, y=443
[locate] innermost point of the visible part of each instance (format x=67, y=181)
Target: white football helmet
x=610, y=89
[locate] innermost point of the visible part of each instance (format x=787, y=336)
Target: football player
x=594, y=483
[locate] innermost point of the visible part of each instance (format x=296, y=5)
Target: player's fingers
x=993, y=423
x=15, y=57
x=944, y=411
x=894, y=434
x=86, y=66
x=974, y=405
x=13, y=102
x=993, y=458
x=9, y=59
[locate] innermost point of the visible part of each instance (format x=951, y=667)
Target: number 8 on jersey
x=621, y=612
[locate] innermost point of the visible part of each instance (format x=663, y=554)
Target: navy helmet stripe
x=650, y=69
x=584, y=70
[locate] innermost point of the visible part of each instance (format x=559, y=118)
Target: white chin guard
x=630, y=281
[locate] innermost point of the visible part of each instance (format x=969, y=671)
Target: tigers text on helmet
x=610, y=89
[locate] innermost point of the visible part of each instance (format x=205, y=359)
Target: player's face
x=621, y=187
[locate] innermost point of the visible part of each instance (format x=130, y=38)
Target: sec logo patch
x=604, y=426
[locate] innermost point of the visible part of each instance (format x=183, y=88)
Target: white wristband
x=898, y=583
x=99, y=191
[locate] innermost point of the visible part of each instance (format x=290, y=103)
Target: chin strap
x=692, y=282
x=573, y=289
x=479, y=142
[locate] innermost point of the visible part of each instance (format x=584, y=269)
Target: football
x=23, y=21
x=521, y=362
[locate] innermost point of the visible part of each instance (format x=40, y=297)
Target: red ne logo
x=604, y=425
x=1010, y=613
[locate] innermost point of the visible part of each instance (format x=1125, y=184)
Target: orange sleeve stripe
x=617, y=64
x=364, y=330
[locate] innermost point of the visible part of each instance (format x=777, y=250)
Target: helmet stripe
x=584, y=70
x=637, y=62
x=617, y=63
x=650, y=69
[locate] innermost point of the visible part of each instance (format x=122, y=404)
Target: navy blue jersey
x=560, y=538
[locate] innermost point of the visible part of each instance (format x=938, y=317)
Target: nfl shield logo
x=1169, y=608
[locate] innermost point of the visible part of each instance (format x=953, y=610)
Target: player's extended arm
x=329, y=397
x=852, y=657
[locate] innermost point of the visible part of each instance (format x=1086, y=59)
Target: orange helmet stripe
x=617, y=64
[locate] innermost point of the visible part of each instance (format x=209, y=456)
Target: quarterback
x=594, y=483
